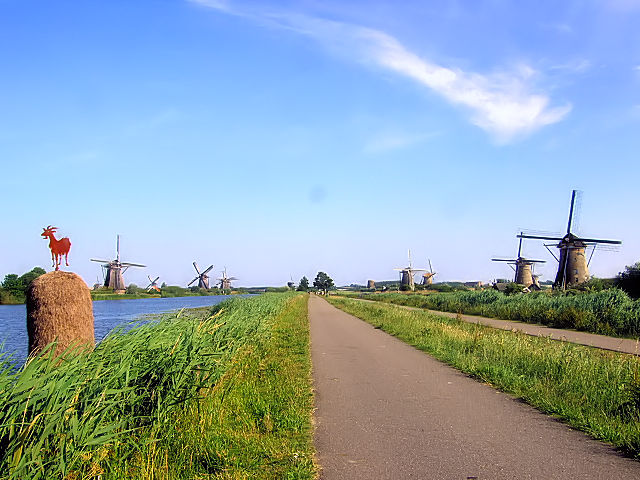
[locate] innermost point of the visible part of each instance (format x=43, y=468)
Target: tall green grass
x=593, y=390
x=120, y=411
x=609, y=312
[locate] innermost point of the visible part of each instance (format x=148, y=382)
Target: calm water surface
x=107, y=313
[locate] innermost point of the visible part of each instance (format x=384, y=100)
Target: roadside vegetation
x=595, y=391
x=608, y=312
x=222, y=392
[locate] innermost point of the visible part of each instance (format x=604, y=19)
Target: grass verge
x=595, y=391
x=607, y=312
x=217, y=393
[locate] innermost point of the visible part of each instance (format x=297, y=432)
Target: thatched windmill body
x=202, y=277
x=427, y=278
x=114, y=269
x=523, y=267
x=407, y=273
x=225, y=282
x=573, y=267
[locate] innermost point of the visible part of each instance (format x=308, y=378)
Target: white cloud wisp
x=505, y=105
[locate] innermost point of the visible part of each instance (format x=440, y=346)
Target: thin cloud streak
x=502, y=104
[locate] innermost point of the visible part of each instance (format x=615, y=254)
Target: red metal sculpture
x=58, y=247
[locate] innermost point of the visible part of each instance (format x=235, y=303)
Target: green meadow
x=608, y=312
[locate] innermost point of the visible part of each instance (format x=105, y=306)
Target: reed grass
x=592, y=390
x=140, y=405
x=608, y=312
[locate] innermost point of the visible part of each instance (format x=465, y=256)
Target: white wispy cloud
x=394, y=140
x=505, y=103
x=574, y=66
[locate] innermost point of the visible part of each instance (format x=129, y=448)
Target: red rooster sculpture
x=58, y=247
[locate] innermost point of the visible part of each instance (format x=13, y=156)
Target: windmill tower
x=114, y=269
x=203, y=278
x=225, y=282
x=407, y=273
x=153, y=284
x=427, y=278
x=573, y=268
x=523, y=267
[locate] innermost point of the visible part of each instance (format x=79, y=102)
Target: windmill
x=522, y=267
x=153, y=284
x=427, y=278
x=114, y=270
x=203, y=278
x=225, y=282
x=407, y=273
x=573, y=267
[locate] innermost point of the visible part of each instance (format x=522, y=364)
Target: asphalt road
x=385, y=410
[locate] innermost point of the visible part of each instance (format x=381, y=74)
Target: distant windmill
x=203, y=278
x=522, y=267
x=407, y=273
x=225, y=282
x=114, y=270
x=427, y=278
x=153, y=284
x=291, y=284
x=573, y=267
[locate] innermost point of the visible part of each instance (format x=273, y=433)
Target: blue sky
x=283, y=138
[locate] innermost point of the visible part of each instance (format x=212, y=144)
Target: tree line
x=322, y=283
x=13, y=288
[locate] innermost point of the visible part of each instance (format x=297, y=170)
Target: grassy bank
x=219, y=393
x=592, y=390
x=608, y=312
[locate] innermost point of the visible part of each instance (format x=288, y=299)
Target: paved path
x=624, y=345
x=385, y=410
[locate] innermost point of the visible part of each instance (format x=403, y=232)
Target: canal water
x=107, y=314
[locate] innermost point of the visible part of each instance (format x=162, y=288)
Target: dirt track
x=388, y=411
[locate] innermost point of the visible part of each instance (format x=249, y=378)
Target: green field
x=608, y=312
x=223, y=392
x=592, y=390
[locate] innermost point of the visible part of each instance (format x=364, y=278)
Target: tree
x=323, y=282
x=29, y=277
x=629, y=280
x=303, y=286
x=12, y=284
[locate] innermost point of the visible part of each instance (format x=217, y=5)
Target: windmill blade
x=430, y=267
x=573, y=199
x=207, y=270
x=520, y=246
x=539, y=237
x=195, y=265
x=189, y=284
x=118, y=247
x=129, y=264
x=154, y=281
x=535, y=261
x=232, y=278
x=503, y=259
x=594, y=240
x=99, y=261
